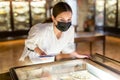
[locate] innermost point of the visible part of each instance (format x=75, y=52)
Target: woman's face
x=63, y=17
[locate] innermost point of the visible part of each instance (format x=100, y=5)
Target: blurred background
x=89, y=16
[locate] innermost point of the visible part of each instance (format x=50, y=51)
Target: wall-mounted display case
x=5, y=16
x=108, y=17
x=38, y=11
x=110, y=13
x=21, y=15
x=119, y=14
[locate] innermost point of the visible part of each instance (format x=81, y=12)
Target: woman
x=49, y=41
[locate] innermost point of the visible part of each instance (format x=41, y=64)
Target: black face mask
x=62, y=26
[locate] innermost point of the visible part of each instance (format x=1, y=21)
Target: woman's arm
x=35, y=36
x=77, y=55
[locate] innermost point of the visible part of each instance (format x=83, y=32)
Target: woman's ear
x=52, y=17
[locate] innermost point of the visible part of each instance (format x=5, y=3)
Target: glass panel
x=109, y=62
x=119, y=14
x=38, y=11
x=110, y=12
x=99, y=19
x=5, y=16
x=21, y=15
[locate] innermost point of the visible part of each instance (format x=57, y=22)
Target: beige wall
x=84, y=7
x=82, y=12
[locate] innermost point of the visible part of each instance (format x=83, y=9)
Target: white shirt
x=42, y=36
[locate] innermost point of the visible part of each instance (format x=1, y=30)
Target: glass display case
x=38, y=11
x=99, y=11
x=110, y=14
x=79, y=69
x=21, y=15
x=5, y=16
x=118, y=13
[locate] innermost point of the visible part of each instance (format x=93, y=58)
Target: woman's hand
x=76, y=55
x=70, y=56
x=39, y=51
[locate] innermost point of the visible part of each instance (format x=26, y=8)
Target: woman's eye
x=61, y=20
x=69, y=20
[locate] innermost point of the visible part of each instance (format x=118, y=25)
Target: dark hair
x=61, y=7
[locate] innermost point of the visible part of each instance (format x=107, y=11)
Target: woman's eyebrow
x=65, y=20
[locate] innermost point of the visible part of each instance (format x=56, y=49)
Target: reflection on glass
x=21, y=15
x=38, y=11
x=119, y=14
x=110, y=12
x=99, y=20
x=5, y=16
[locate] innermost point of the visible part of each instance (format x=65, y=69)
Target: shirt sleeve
x=33, y=36
x=70, y=47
